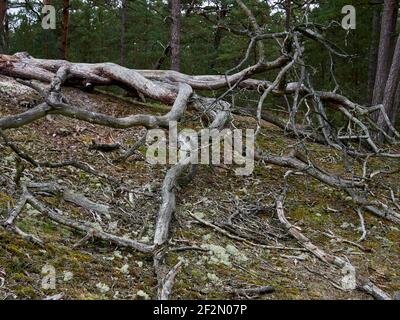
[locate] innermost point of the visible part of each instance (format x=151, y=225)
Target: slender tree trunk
x=3, y=19
x=124, y=14
x=64, y=41
x=7, y=31
x=373, y=50
x=391, y=89
x=388, y=28
x=175, y=35
x=288, y=10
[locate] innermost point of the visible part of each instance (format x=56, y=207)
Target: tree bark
x=373, y=50
x=397, y=107
x=175, y=34
x=64, y=41
x=124, y=13
x=288, y=10
x=3, y=15
x=391, y=90
x=388, y=28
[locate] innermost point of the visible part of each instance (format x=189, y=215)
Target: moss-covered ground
x=100, y=270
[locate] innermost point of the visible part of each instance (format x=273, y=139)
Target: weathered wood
x=392, y=84
x=87, y=229
x=351, y=279
x=26, y=67
x=70, y=196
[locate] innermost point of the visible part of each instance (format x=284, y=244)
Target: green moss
x=4, y=199
x=80, y=257
x=26, y=292
x=372, y=245
x=393, y=236
x=49, y=228
x=300, y=213
x=83, y=176
x=53, y=201
x=197, y=273
x=307, y=201
x=142, y=150
x=14, y=249
x=20, y=277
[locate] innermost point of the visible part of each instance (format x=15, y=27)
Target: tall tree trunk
x=373, y=50
x=391, y=89
x=288, y=10
x=124, y=14
x=64, y=41
x=396, y=113
x=175, y=35
x=3, y=19
x=388, y=28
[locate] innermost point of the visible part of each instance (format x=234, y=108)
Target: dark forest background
x=95, y=31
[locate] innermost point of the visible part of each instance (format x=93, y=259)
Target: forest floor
x=98, y=270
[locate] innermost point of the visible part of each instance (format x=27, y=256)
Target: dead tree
x=356, y=140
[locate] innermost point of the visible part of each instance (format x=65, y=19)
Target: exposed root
x=141, y=142
x=241, y=239
x=56, y=216
x=168, y=195
x=70, y=196
x=168, y=282
x=14, y=213
x=351, y=280
x=362, y=226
